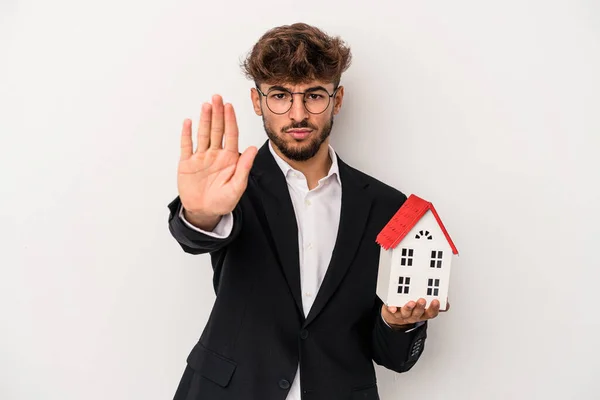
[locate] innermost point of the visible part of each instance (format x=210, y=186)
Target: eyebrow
x=311, y=89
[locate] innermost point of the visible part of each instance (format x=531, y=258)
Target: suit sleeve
x=195, y=241
x=221, y=231
x=398, y=350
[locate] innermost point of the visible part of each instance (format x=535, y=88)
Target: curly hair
x=297, y=53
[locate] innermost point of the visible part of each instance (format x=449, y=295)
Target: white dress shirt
x=318, y=217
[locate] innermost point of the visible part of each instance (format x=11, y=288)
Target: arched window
x=425, y=234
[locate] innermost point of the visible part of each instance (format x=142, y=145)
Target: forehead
x=298, y=87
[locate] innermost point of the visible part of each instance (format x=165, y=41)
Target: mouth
x=299, y=133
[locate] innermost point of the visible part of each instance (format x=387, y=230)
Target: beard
x=299, y=153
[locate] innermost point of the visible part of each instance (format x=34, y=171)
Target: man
x=291, y=232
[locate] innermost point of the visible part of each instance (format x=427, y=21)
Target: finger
x=407, y=310
x=433, y=310
x=187, y=146
x=231, y=129
x=242, y=170
x=217, y=123
x=204, y=128
x=419, y=309
x=392, y=309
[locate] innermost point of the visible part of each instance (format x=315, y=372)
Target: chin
x=299, y=149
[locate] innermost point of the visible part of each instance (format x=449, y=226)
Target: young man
x=291, y=232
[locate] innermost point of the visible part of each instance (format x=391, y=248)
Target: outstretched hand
x=212, y=179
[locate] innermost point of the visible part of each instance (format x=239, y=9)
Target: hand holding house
x=415, y=256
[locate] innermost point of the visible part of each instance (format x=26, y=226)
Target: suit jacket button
x=303, y=334
x=284, y=384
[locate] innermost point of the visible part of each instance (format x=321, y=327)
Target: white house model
x=416, y=252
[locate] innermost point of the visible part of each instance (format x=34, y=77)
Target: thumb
x=242, y=169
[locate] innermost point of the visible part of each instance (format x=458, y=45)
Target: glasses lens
x=316, y=101
x=279, y=101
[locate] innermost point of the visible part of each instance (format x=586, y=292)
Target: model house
x=416, y=253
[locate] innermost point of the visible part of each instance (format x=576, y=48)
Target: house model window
x=433, y=287
x=407, y=257
x=403, y=285
x=426, y=234
x=415, y=237
x=436, y=259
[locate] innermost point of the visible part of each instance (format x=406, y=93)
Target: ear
x=255, y=96
x=338, y=99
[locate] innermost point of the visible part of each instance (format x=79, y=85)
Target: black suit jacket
x=257, y=332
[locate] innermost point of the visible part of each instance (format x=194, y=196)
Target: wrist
x=201, y=220
x=401, y=326
x=396, y=326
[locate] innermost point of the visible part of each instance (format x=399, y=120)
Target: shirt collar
x=286, y=168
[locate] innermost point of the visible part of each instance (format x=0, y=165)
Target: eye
x=314, y=96
x=278, y=95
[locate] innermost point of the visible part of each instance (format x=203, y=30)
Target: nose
x=298, y=112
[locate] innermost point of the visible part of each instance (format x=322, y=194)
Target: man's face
x=296, y=132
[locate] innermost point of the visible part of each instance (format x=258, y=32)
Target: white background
x=490, y=109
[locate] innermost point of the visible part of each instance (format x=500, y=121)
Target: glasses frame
x=281, y=89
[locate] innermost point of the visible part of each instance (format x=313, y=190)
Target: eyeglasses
x=279, y=100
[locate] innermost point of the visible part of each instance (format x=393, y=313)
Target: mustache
x=298, y=125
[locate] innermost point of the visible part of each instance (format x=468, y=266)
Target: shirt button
x=307, y=202
x=307, y=294
x=284, y=384
x=309, y=246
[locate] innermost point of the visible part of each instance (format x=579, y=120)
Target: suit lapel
x=356, y=205
x=281, y=218
x=280, y=215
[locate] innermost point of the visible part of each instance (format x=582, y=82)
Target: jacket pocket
x=211, y=365
x=365, y=393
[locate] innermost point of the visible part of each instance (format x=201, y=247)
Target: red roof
x=405, y=219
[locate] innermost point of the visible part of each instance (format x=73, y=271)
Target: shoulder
x=382, y=193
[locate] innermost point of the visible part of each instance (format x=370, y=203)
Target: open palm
x=212, y=179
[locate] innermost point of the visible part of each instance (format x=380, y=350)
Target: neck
x=314, y=168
